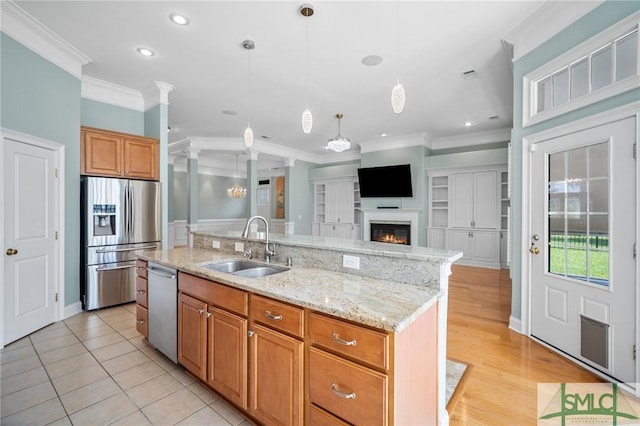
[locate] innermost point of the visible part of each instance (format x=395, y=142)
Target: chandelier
x=236, y=191
x=339, y=143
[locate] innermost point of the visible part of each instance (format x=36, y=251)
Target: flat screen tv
x=385, y=181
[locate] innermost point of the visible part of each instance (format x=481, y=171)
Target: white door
x=583, y=222
x=485, y=200
x=461, y=201
x=30, y=261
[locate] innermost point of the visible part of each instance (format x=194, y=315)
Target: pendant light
x=339, y=143
x=306, y=10
x=236, y=191
x=248, y=132
x=397, y=93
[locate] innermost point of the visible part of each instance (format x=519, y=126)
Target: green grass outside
x=577, y=263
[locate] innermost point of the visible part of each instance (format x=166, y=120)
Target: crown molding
x=156, y=93
x=547, y=21
x=385, y=144
x=113, y=94
x=31, y=33
x=469, y=139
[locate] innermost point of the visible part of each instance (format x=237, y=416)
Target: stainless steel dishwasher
x=163, y=309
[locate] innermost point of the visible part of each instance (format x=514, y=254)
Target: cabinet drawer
x=352, y=392
x=360, y=343
x=142, y=296
x=277, y=315
x=141, y=268
x=141, y=321
x=318, y=417
x=213, y=293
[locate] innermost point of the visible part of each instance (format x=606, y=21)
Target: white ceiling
x=205, y=62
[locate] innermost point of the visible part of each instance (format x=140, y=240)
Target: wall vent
x=469, y=74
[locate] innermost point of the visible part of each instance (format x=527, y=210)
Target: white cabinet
x=479, y=247
x=336, y=209
x=503, y=249
x=474, y=200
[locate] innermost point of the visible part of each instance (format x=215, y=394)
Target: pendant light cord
x=307, y=63
x=398, y=39
x=248, y=88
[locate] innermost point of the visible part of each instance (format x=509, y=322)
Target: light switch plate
x=239, y=247
x=215, y=244
x=352, y=262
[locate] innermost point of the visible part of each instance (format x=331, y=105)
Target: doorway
x=32, y=235
x=581, y=243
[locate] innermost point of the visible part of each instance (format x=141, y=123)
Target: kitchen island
x=352, y=345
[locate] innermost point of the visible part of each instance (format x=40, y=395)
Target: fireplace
x=394, y=233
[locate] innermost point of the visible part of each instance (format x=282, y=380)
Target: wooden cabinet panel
x=102, y=154
x=275, y=377
x=140, y=159
x=318, y=417
x=227, y=355
x=359, y=343
x=214, y=293
x=142, y=326
x=352, y=392
x=106, y=153
x=278, y=315
x=141, y=291
x=192, y=335
x=141, y=268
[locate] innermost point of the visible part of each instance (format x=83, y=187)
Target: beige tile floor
x=95, y=369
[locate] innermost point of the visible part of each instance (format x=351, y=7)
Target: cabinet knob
x=250, y=333
x=336, y=338
x=141, y=292
x=334, y=389
x=209, y=314
x=117, y=171
x=140, y=321
x=200, y=311
x=126, y=172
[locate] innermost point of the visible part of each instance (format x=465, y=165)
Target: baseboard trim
x=71, y=310
x=515, y=324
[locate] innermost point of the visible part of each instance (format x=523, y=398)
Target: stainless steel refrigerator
x=118, y=217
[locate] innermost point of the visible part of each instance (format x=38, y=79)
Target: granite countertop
x=387, y=305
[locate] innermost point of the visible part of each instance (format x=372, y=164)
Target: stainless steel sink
x=245, y=268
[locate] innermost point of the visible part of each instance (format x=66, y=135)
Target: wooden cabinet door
x=102, y=154
x=486, y=212
x=140, y=159
x=192, y=335
x=227, y=355
x=275, y=377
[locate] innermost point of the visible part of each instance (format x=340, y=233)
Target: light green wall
x=301, y=205
x=589, y=25
x=335, y=170
x=180, y=195
x=467, y=159
x=110, y=117
x=41, y=99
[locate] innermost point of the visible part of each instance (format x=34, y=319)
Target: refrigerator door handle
x=129, y=212
x=115, y=267
x=125, y=249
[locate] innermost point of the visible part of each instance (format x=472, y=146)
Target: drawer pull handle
x=141, y=292
x=140, y=321
x=337, y=339
x=269, y=315
x=334, y=389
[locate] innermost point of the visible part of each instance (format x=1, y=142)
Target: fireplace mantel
x=390, y=216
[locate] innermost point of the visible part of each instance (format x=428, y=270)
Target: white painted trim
x=529, y=115
x=390, y=215
x=443, y=308
x=637, y=263
x=385, y=144
x=471, y=139
x=31, y=33
x=515, y=324
x=112, y=94
x=73, y=309
x=548, y=20
x=528, y=146
x=156, y=94
x=59, y=151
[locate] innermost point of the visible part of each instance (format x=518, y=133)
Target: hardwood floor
x=499, y=387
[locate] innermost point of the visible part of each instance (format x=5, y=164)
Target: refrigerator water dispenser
x=104, y=219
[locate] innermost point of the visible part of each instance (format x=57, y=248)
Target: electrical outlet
x=352, y=262
x=239, y=247
x=215, y=244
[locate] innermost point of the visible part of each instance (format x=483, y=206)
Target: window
x=601, y=67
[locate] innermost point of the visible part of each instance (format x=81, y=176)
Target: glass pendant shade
x=398, y=98
x=307, y=121
x=248, y=137
x=339, y=144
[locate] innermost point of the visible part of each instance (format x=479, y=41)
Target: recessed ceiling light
x=372, y=60
x=145, y=51
x=382, y=135
x=468, y=124
x=229, y=112
x=179, y=19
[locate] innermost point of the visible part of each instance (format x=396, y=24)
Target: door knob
x=534, y=250
x=11, y=252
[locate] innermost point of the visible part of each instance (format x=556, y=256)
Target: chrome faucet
x=270, y=248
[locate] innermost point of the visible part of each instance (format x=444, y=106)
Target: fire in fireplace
x=395, y=233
